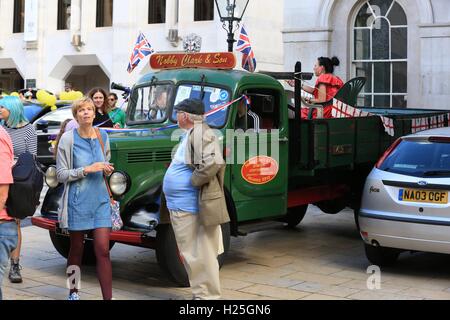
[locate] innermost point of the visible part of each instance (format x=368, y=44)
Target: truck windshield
x=150, y=104
x=213, y=99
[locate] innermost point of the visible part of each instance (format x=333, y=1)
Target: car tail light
x=439, y=139
x=387, y=153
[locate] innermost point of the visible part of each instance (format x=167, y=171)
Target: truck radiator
x=150, y=156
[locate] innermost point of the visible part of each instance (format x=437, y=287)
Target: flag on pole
x=141, y=49
x=248, y=56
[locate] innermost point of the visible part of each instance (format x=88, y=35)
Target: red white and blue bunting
x=342, y=110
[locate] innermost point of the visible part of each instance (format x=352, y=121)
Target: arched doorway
x=82, y=72
x=84, y=78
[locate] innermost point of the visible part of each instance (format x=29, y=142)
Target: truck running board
x=253, y=227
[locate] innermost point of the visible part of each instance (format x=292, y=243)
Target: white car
x=405, y=204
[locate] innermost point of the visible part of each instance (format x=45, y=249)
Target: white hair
x=195, y=117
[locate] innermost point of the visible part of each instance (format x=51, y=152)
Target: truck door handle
x=283, y=140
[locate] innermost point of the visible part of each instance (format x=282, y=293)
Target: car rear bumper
x=409, y=233
x=126, y=237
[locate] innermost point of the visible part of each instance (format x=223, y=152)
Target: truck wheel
x=169, y=258
x=62, y=245
x=294, y=216
x=381, y=256
x=356, y=215
x=332, y=206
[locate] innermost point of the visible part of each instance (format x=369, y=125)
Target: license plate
x=423, y=196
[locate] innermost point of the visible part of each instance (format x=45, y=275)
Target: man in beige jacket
x=194, y=197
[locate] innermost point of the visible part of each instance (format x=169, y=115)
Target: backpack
x=24, y=194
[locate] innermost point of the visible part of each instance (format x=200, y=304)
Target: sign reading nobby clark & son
x=215, y=60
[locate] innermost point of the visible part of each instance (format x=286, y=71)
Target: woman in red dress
x=327, y=85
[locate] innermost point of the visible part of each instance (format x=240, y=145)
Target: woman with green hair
x=24, y=138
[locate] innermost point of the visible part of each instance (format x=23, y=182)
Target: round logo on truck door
x=260, y=170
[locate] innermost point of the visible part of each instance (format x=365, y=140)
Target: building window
x=156, y=11
x=381, y=53
x=19, y=16
x=64, y=12
x=104, y=13
x=203, y=10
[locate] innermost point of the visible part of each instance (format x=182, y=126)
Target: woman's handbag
x=116, y=220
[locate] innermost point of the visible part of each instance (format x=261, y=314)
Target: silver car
x=405, y=204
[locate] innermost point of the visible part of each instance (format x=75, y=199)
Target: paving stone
x=362, y=285
x=338, y=291
x=276, y=293
x=234, y=284
x=308, y=287
x=312, y=267
x=239, y=295
x=376, y=295
x=321, y=259
x=54, y=292
x=16, y=294
x=27, y=283
x=424, y=293
x=313, y=277
x=322, y=297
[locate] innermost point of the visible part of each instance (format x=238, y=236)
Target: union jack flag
x=141, y=49
x=248, y=56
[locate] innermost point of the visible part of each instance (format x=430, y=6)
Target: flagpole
x=230, y=39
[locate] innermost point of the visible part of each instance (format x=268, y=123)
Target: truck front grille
x=150, y=156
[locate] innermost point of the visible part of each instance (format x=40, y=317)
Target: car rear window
x=419, y=159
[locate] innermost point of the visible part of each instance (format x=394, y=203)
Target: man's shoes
x=74, y=297
x=14, y=272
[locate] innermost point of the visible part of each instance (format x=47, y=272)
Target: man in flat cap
x=194, y=196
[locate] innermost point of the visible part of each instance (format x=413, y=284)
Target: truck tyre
x=356, y=216
x=62, y=245
x=332, y=206
x=381, y=256
x=294, y=216
x=169, y=258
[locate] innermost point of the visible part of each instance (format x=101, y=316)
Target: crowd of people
x=79, y=148
x=82, y=163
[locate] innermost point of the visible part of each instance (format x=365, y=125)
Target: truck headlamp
x=119, y=183
x=50, y=177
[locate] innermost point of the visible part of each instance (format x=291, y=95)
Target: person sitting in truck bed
x=327, y=85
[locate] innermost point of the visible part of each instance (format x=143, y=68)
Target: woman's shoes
x=14, y=272
x=74, y=297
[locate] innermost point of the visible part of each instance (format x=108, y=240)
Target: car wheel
x=381, y=256
x=62, y=245
x=294, y=216
x=169, y=258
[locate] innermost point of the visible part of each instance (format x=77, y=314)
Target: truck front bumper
x=126, y=237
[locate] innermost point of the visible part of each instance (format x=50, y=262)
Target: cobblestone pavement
x=323, y=258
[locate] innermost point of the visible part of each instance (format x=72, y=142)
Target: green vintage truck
x=273, y=171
